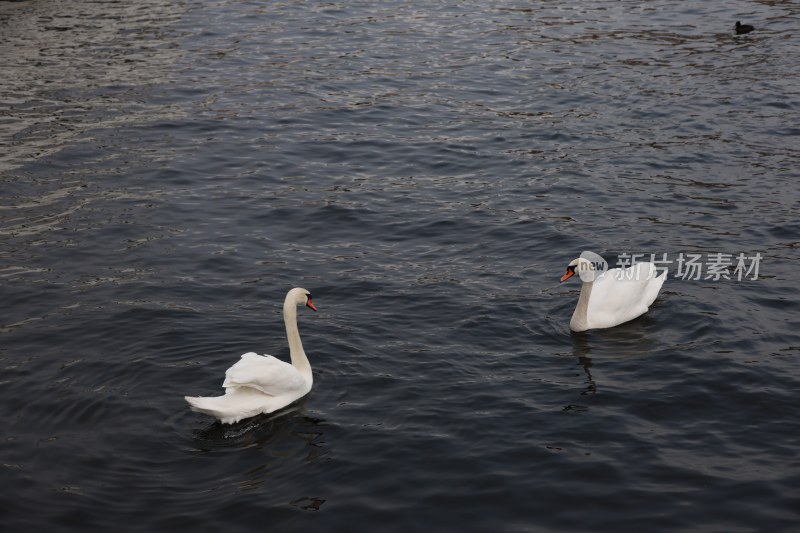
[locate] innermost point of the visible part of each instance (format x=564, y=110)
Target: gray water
x=427, y=170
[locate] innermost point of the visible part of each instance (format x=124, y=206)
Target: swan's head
x=583, y=267
x=301, y=297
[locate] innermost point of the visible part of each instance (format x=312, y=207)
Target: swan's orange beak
x=310, y=304
x=568, y=274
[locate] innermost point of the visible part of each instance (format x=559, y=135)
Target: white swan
x=261, y=383
x=612, y=297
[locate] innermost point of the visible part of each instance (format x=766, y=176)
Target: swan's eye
x=571, y=268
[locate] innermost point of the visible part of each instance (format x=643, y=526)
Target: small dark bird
x=742, y=28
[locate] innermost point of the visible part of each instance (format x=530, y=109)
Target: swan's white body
x=259, y=384
x=615, y=296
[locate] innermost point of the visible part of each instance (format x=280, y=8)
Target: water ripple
x=169, y=170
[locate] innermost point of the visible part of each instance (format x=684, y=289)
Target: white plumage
x=615, y=296
x=259, y=384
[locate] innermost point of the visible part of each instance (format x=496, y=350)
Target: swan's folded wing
x=264, y=373
x=620, y=295
x=653, y=288
x=236, y=404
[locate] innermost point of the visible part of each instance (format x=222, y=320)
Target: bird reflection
x=263, y=430
x=627, y=340
x=283, y=440
x=581, y=349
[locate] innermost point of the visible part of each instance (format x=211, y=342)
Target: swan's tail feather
x=653, y=289
x=236, y=404
x=206, y=405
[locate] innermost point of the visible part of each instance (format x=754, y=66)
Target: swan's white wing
x=236, y=404
x=653, y=288
x=266, y=374
x=619, y=295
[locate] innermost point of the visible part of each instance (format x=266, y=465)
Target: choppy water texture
x=168, y=170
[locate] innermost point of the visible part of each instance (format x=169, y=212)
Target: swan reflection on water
x=262, y=430
x=581, y=349
x=631, y=339
x=289, y=437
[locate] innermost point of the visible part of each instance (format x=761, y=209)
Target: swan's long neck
x=299, y=359
x=580, y=321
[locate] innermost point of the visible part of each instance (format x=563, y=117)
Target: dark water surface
x=168, y=170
